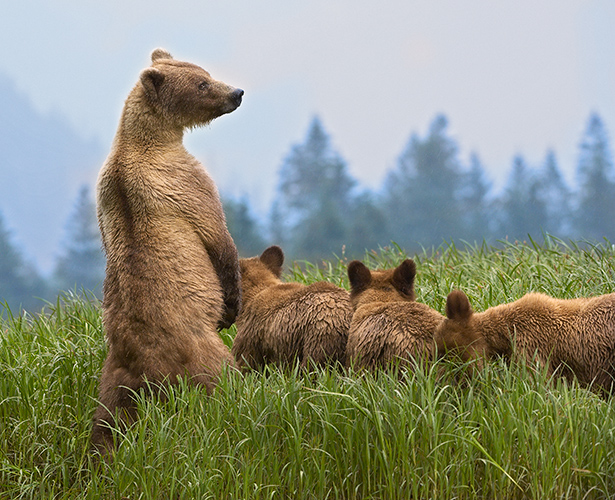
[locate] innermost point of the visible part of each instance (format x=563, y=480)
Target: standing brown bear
x=283, y=323
x=574, y=337
x=388, y=325
x=172, y=274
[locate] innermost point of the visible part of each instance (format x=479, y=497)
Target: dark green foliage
x=521, y=209
x=20, y=283
x=312, y=172
x=556, y=197
x=368, y=225
x=244, y=227
x=421, y=195
x=431, y=197
x=314, y=197
x=82, y=263
x=474, y=204
x=324, y=231
x=596, y=198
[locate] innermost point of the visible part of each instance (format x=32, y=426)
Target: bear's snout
x=236, y=96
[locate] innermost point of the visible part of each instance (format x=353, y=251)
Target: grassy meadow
x=508, y=433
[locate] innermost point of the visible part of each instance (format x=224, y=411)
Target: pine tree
x=368, y=226
x=82, y=264
x=314, y=196
x=475, y=210
x=20, y=283
x=522, y=211
x=596, y=197
x=556, y=196
x=278, y=226
x=10, y=261
x=244, y=227
x=421, y=194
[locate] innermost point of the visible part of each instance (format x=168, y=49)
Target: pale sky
x=513, y=77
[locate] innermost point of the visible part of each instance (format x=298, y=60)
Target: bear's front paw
x=228, y=318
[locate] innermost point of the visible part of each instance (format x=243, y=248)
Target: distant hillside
x=43, y=161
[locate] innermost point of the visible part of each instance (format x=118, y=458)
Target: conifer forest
x=430, y=196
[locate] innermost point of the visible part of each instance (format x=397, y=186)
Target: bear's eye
x=203, y=85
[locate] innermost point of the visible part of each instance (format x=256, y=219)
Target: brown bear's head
x=389, y=285
x=457, y=333
x=261, y=272
x=185, y=94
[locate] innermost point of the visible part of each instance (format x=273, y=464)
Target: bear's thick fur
x=569, y=337
x=283, y=323
x=388, y=325
x=172, y=274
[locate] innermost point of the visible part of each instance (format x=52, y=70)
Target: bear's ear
x=458, y=306
x=152, y=79
x=403, y=278
x=160, y=54
x=359, y=275
x=273, y=258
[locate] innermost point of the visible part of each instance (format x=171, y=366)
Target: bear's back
x=571, y=336
x=288, y=309
x=154, y=252
x=383, y=331
x=288, y=321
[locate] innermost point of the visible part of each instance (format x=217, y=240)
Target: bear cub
x=388, y=325
x=570, y=337
x=172, y=275
x=284, y=323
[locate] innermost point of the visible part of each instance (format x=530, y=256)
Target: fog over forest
x=477, y=120
x=432, y=194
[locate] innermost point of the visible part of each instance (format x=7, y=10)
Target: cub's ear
x=359, y=275
x=273, y=258
x=160, y=54
x=403, y=278
x=152, y=79
x=458, y=306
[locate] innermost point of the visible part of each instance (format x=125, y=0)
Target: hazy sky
x=513, y=77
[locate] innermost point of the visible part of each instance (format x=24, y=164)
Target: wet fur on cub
x=388, y=325
x=573, y=337
x=284, y=323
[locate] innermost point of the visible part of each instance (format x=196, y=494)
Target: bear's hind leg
x=116, y=408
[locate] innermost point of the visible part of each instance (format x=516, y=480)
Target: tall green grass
x=506, y=433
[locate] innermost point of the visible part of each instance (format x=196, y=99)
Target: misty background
x=423, y=121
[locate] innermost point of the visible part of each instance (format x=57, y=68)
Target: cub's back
x=381, y=332
x=287, y=306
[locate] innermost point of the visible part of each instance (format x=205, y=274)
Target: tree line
x=80, y=265
x=430, y=196
x=319, y=209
